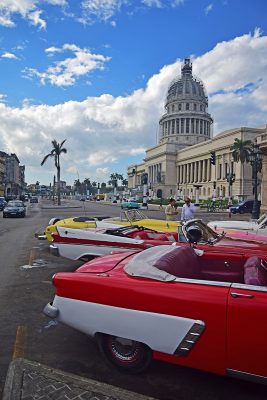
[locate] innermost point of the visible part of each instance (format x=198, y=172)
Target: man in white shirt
x=188, y=210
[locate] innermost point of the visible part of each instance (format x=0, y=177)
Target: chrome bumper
x=54, y=250
x=51, y=311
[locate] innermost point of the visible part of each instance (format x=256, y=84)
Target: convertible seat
x=255, y=272
x=161, y=237
x=181, y=262
x=141, y=235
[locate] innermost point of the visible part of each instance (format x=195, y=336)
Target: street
x=26, y=332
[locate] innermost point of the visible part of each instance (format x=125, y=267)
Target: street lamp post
x=255, y=158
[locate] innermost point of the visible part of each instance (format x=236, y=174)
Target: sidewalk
x=28, y=380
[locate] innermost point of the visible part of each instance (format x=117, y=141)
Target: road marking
x=19, y=346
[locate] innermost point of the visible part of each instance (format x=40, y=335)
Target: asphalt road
x=26, y=332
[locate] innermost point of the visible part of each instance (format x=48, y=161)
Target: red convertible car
x=205, y=310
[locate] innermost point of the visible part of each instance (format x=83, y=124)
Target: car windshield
x=129, y=215
x=262, y=221
x=208, y=235
x=15, y=204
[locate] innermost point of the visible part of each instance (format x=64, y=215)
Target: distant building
x=180, y=164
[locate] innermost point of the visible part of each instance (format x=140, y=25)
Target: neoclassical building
x=180, y=164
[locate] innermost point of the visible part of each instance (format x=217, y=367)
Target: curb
x=29, y=380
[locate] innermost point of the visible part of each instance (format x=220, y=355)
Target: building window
x=197, y=125
x=179, y=107
x=192, y=126
x=187, y=106
x=173, y=108
x=187, y=125
x=201, y=108
x=225, y=170
x=177, y=126
x=220, y=171
x=201, y=127
x=195, y=107
x=182, y=125
x=173, y=124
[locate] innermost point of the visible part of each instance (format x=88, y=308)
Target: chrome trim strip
x=249, y=287
x=190, y=339
x=246, y=376
x=204, y=282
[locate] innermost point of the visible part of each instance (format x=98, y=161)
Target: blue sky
x=95, y=72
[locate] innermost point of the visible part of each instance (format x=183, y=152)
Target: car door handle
x=235, y=295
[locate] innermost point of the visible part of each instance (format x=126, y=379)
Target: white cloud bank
x=102, y=131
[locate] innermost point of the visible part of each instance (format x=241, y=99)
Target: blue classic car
x=130, y=204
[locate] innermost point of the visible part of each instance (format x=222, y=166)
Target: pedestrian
x=160, y=204
x=188, y=210
x=171, y=210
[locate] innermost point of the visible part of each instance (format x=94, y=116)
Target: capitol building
x=180, y=164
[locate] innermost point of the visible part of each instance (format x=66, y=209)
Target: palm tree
x=241, y=150
x=124, y=182
x=114, y=178
x=57, y=150
x=87, y=185
x=77, y=185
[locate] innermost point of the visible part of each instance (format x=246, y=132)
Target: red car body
x=214, y=320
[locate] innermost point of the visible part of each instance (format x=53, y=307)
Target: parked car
x=258, y=227
x=84, y=244
x=130, y=204
x=197, y=309
x=14, y=208
x=34, y=199
x=243, y=207
x=127, y=217
x=3, y=203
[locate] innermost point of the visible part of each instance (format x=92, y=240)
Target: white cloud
x=103, y=131
x=27, y=9
x=153, y=3
x=102, y=10
x=67, y=71
x=10, y=56
x=36, y=20
x=208, y=9
x=163, y=3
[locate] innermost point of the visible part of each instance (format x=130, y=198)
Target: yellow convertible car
x=127, y=217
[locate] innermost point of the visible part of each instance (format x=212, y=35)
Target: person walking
x=171, y=210
x=188, y=210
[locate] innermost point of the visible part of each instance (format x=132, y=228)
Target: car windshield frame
x=262, y=221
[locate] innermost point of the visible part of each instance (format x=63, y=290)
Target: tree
x=124, y=183
x=241, y=150
x=78, y=185
x=56, y=151
x=114, y=178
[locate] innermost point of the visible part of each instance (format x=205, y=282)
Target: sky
x=96, y=73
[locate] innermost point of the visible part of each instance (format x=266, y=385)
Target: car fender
x=161, y=332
